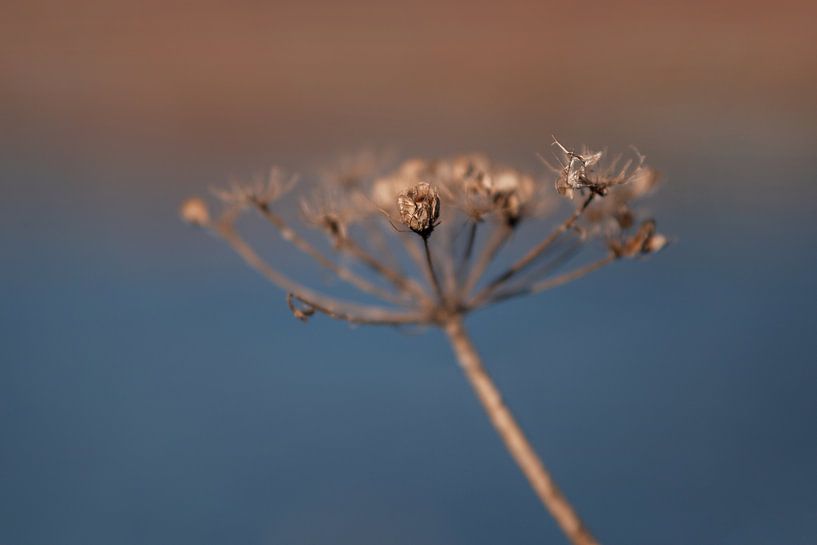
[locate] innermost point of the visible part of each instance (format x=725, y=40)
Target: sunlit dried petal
x=655, y=243
x=195, y=212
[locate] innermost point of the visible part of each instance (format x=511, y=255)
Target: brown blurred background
x=306, y=78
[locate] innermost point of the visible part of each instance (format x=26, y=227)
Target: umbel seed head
x=419, y=208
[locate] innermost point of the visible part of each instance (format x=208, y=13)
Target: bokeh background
x=153, y=390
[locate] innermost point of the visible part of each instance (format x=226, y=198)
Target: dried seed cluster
x=361, y=206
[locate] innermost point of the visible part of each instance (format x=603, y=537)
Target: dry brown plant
x=454, y=218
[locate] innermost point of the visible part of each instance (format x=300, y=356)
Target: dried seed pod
x=333, y=211
x=195, y=212
x=303, y=313
x=644, y=241
x=419, y=208
x=334, y=227
x=510, y=192
x=465, y=182
x=655, y=243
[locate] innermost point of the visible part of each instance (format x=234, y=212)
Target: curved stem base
x=514, y=438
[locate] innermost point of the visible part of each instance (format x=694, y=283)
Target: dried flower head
x=467, y=189
x=349, y=207
x=582, y=172
x=615, y=212
x=479, y=188
x=327, y=220
x=511, y=192
x=574, y=176
x=419, y=208
x=195, y=212
x=333, y=210
x=260, y=192
x=464, y=183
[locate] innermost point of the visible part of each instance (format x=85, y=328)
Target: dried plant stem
x=310, y=307
x=533, y=253
x=555, y=281
x=441, y=287
x=469, y=248
x=291, y=236
x=448, y=264
x=416, y=256
x=379, y=243
x=432, y=273
x=514, y=438
x=499, y=237
x=401, y=282
x=335, y=308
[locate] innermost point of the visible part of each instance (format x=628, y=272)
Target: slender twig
x=416, y=255
x=499, y=237
x=548, y=267
x=380, y=245
x=549, y=283
x=329, y=305
x=465, y=258
x=345, y=274
x=533, y=253
x=404, y=283
x=311, y=307
x=430, y=264
x=411, y=249
x=447, y=262
x=514, y=438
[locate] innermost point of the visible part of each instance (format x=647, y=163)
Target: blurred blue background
x=154, y=390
